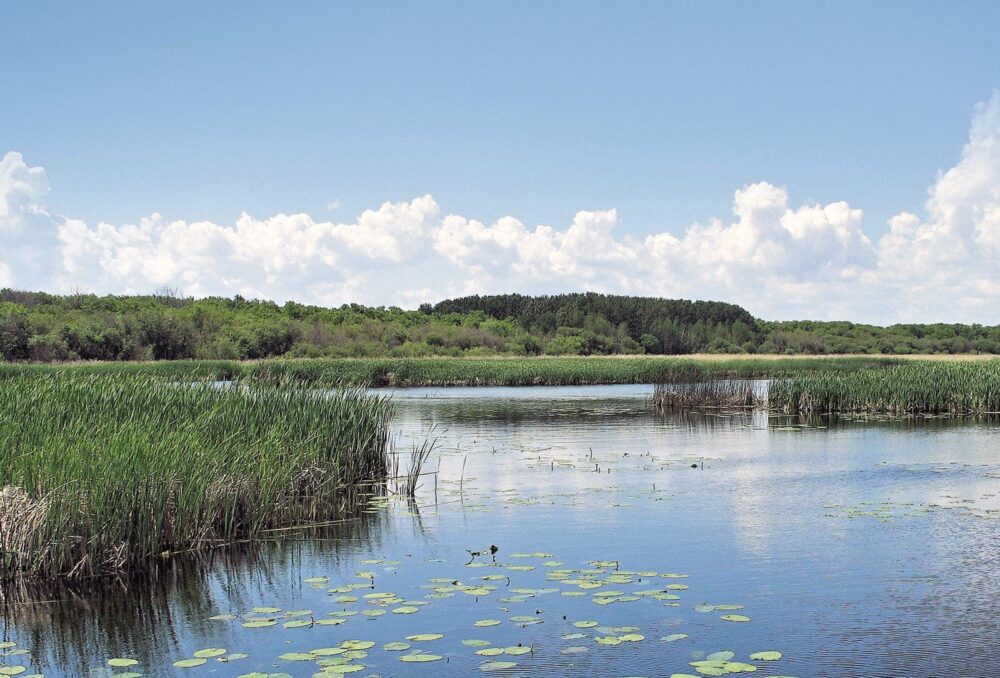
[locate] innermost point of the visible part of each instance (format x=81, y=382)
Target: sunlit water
x=855, y=548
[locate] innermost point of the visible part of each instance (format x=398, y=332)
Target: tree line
x=35, y=326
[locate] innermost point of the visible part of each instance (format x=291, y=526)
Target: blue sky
x=536, y=111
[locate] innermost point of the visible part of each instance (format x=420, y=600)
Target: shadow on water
x=75, y=626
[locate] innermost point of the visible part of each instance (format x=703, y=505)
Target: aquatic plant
x=101, y=472
x=912, y=388
x=727, y=393
x=534, y=371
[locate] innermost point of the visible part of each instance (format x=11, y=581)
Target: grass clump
x=911, y=388
x=99, y=472
x=726, y=394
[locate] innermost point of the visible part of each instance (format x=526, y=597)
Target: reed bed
x=521, y=371
x=539, y=371
x=725, y=394
x=101, y=472
x=911, y=388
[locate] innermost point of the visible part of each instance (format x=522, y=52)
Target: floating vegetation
x=735, y=618
x=137, y=468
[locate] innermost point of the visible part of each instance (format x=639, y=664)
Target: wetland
x=628, y=541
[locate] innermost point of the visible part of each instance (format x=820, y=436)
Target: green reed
x=521, y=371
x=99, y=472
x=911, y=388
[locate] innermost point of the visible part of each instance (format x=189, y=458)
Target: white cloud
x=777, y=259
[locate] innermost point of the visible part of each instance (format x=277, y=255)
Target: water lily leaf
x=632, y=637
x=328, y=651
x=297, y=656
x=342, y=668
x=234, y=656
x=735, y=618
x=768, y=656
x=406, y=609
x=608, y=640
x=586, y=624
x=223, y=617
x=266, y=610
x=210, y=652
x=121, y=662
x=516, y=650
x=724, y=655
x=189, y=663
x=425, y=636
x=12, y=670
x=298, y=624
x=258, y=623
x=420, y=658
x=487, y=622
x=358, y=644
x=472, y=642
x=396, y=647
x=490, y=651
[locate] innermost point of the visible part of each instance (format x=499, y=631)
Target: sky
x=805, y=160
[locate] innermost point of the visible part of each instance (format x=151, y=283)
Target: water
x=855, y=547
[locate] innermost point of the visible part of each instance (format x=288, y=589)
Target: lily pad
x=189, y=663
x=490, y=652
x=396, y=647
x=425, y=636
x=297, y=656
x=420, y=658
x=768, y=656
x=121, y=662
x=210, y=652
x=735, y=618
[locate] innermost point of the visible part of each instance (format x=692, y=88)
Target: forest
x=41, y=327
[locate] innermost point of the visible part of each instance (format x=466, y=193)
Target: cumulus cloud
x=779, y=259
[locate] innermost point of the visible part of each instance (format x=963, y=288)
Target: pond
x=628, y=543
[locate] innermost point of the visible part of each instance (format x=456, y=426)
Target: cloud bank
x=777, y=259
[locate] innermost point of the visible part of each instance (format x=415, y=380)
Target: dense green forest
x=36, y=326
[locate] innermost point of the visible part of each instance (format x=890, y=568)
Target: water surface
x=856, y=547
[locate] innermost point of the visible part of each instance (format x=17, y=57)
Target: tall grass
x=567, y=370
x=538, y=371
x=728, y=393
x=911, y=388
x=100, y=472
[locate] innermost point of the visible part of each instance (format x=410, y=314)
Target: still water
x=851, y=546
